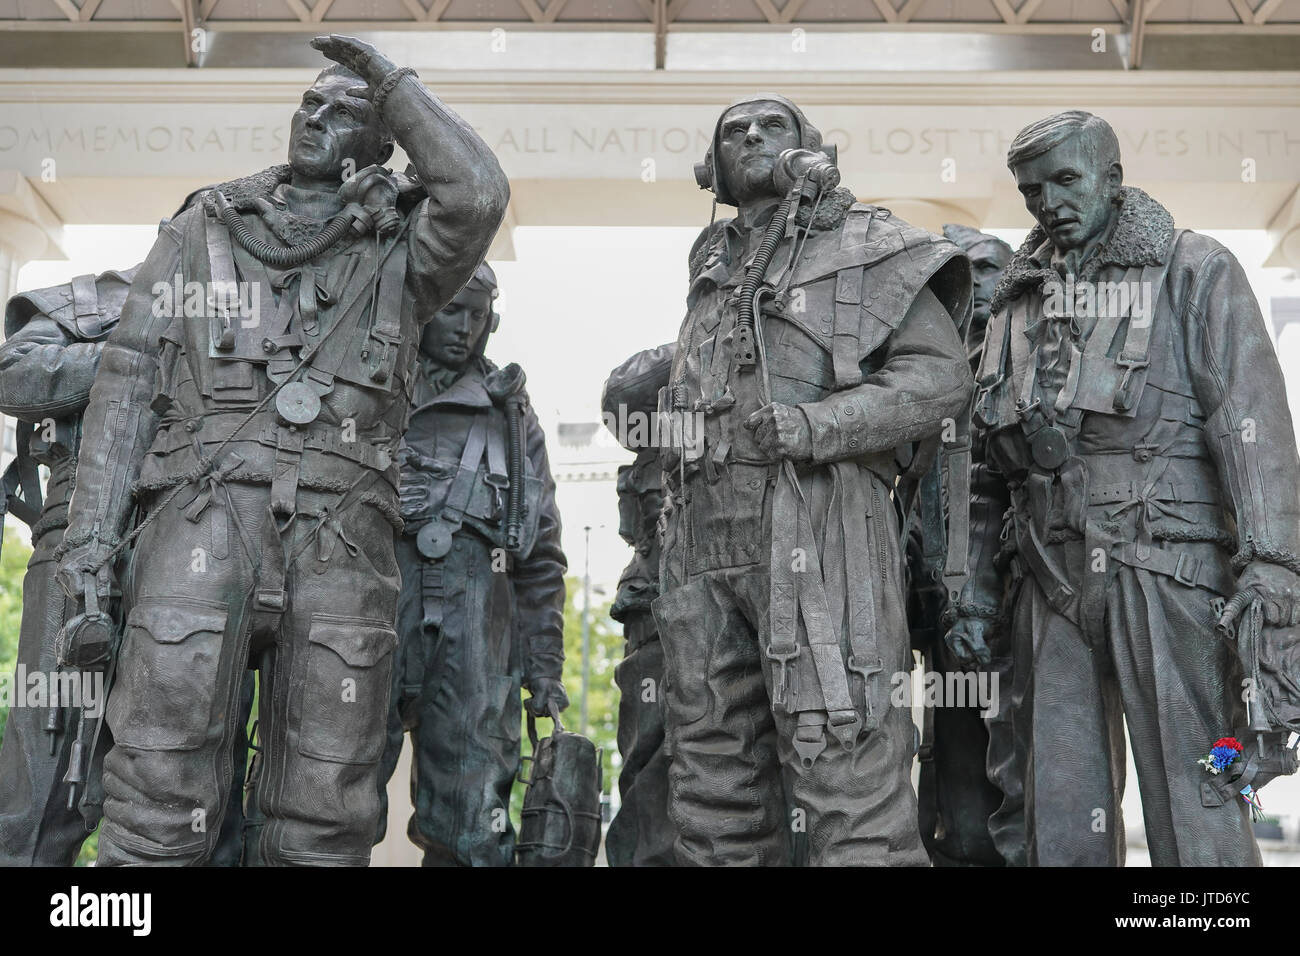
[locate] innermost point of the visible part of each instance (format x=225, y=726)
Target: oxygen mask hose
x=505, y=387
x=743, y=347
x=515, y=500
x=762, y=259
x=286, y=257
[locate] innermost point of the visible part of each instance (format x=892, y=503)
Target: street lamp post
x=586, y=623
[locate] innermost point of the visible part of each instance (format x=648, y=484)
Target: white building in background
x=8, y=448
x=584, y=462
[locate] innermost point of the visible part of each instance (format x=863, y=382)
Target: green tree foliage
x=606, y=652
x=89, y=850
x=13, y=566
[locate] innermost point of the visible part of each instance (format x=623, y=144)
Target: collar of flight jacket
x=468, y=390
x=271, y=185
x=1141, y=237
x=475, y=387
x=243, y=193
x=724, y=241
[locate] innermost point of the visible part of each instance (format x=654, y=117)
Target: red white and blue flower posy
x=1225, y=752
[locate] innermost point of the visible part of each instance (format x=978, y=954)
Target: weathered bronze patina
x=641, y=833
x=820, y=339
x=268, y=512
x=956, y=796
x=1137, y=430
x=481, y=610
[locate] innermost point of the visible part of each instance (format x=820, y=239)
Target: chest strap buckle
x=1188, y=570
x=1124, y=396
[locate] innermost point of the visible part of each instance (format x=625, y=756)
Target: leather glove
x=967, y=642
x=78, y=562
x=782, y=431
x=544, y=691
x=1277, y=587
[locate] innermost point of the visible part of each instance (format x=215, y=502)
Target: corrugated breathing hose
x=285, y=257
x=515, y=500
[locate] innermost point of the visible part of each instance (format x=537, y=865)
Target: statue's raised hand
x=359, y=57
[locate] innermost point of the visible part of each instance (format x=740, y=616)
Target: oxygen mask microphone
x=793, y=164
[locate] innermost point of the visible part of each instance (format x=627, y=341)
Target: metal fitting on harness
x=713, y=406
x=1188, y=569
x=742, y=344
x=866, y=673
x=271, y=599
x=284, y=481
x=845, y=727
x=379, y=372
x=1144, y=453
x=297, y=404
x=434, y=539
x=498, y=484
x=810, y=737
x=780, y=692
x=1124, y=397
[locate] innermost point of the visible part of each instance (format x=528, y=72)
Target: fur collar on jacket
x=1141, y=238
x=243, y=194
x=830, y=213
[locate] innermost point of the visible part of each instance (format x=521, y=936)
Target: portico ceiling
x=1136, y=23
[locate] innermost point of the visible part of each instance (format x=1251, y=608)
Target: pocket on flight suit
x=167, y=674
x=346, y=690
x=686, y=653
x=504, y=708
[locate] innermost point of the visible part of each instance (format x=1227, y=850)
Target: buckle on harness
x=379, y=371
x=810, y=737
x=742, y=337
x=809, y=750
x=1124, y=394
x=1187, y=570
x=271, y=599
x=845, y=726
x=1024, y=409
x=1142, y=454
x=982, y=410
x=782, y=662
x=866, y=672
x=1061, y=594
x=498, y=484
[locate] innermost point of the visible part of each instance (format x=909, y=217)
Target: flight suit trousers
x=956, y=797
x=1005, y=763
x=1178, y=686
x=325, y=665
x=36, y=826
x=739, y=794
x=641, y=833
x=457, y=691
